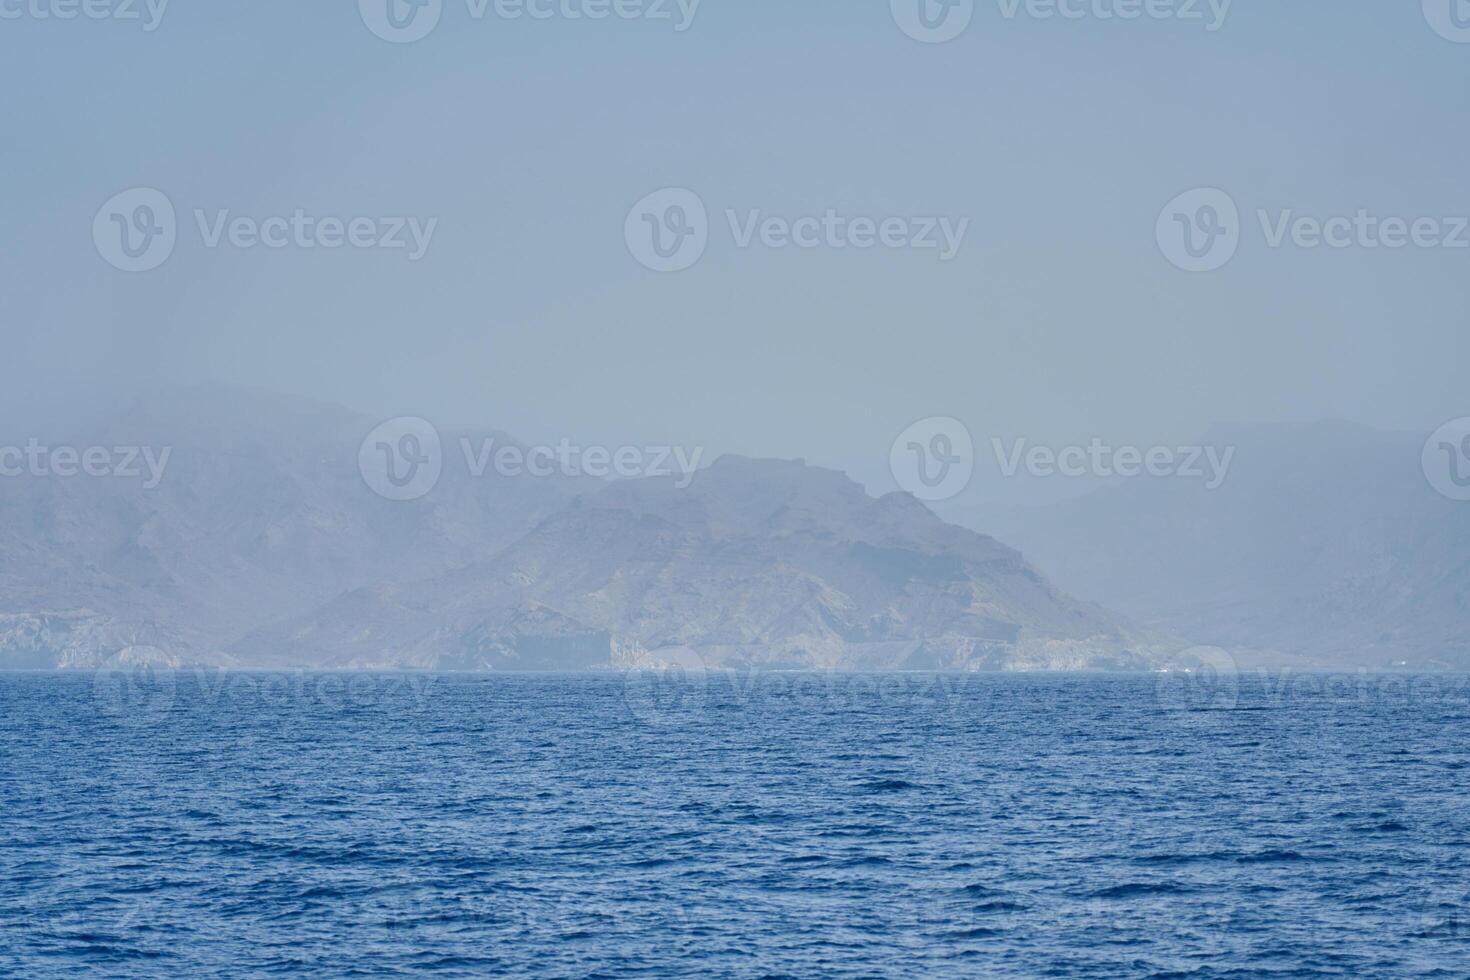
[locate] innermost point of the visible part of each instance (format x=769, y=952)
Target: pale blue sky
x=529, y=141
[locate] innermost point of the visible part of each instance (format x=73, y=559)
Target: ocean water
x=745, y=825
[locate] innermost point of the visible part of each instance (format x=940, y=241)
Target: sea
x=733, y=824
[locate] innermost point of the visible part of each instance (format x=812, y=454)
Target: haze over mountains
x=758, y=562
x=263, y=546
x=1325, y=545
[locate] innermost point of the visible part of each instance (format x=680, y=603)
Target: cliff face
x=262, y=546
x=756, y=563
x=261, y=514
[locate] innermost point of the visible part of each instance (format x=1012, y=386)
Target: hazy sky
x=529, y=140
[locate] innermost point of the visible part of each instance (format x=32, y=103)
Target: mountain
x=263, y=546
x=758, y=562
x=1325, y=545
x=261, y=513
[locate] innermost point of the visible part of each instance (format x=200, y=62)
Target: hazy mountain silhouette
x=264, y=546
x=757, y=562
x=262, y=513
x=1326, y=543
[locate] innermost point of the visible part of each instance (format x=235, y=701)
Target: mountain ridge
x=1327, y=545
x=264, y=546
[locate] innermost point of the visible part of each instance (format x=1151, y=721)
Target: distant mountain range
x=1326, y=545
x=263, y=547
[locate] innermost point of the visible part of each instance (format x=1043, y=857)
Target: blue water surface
x=744, y=825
